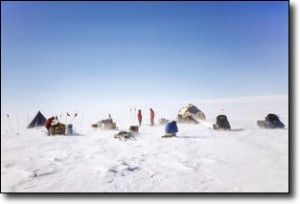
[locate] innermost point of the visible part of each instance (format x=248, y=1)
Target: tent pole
x=82, y=120
x=134, y=115
x=66, y=118
x=130, y=115
x=17, y=122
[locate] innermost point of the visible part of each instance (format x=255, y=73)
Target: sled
x=58, y=129
x=108, y=126
x=134, y=128
x=168, y=136
x=123, y=135
x=262, y=123
x=236, y=130
x=215, y=127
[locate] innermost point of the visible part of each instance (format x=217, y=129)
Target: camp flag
x=68, y=114
x=75, y=115
x=7, y=115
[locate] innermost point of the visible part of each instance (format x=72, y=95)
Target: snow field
x=200, y=159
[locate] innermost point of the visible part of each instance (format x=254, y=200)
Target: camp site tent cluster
x=188, y=114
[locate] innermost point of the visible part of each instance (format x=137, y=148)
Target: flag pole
x=130, y=115
x=134, y=114
x=8, y=121
x=73, y=118
x=66, y=118
x=17, y=122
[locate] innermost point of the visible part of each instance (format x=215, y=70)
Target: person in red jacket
x=151, y=117
x=48, y=124
x=139, y=116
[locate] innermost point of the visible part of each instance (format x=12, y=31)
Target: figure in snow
x=139, y=116
x=151, y=117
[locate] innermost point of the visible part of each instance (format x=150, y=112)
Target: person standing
x=48, y=124
x=151, y=117
x=139, y=116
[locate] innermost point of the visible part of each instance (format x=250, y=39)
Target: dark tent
x=221, y=123
x=39, y=120
x=271, y=121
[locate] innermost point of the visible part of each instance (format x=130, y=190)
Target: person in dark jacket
x=151, y=117
x=139, y=116
x=171, y=129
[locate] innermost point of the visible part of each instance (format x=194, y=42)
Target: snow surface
x=199, y=160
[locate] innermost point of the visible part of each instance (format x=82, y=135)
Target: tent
x=39, y=120
x=190, y=114
x=107, y=124
x=221, y=123
x=271, y=121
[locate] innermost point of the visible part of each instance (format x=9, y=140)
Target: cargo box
x=58, y=129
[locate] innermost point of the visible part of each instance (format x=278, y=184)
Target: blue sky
x=87, y=53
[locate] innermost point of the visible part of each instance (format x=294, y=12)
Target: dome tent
x=221, y=123
x=271, y=121
x=190, y=114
